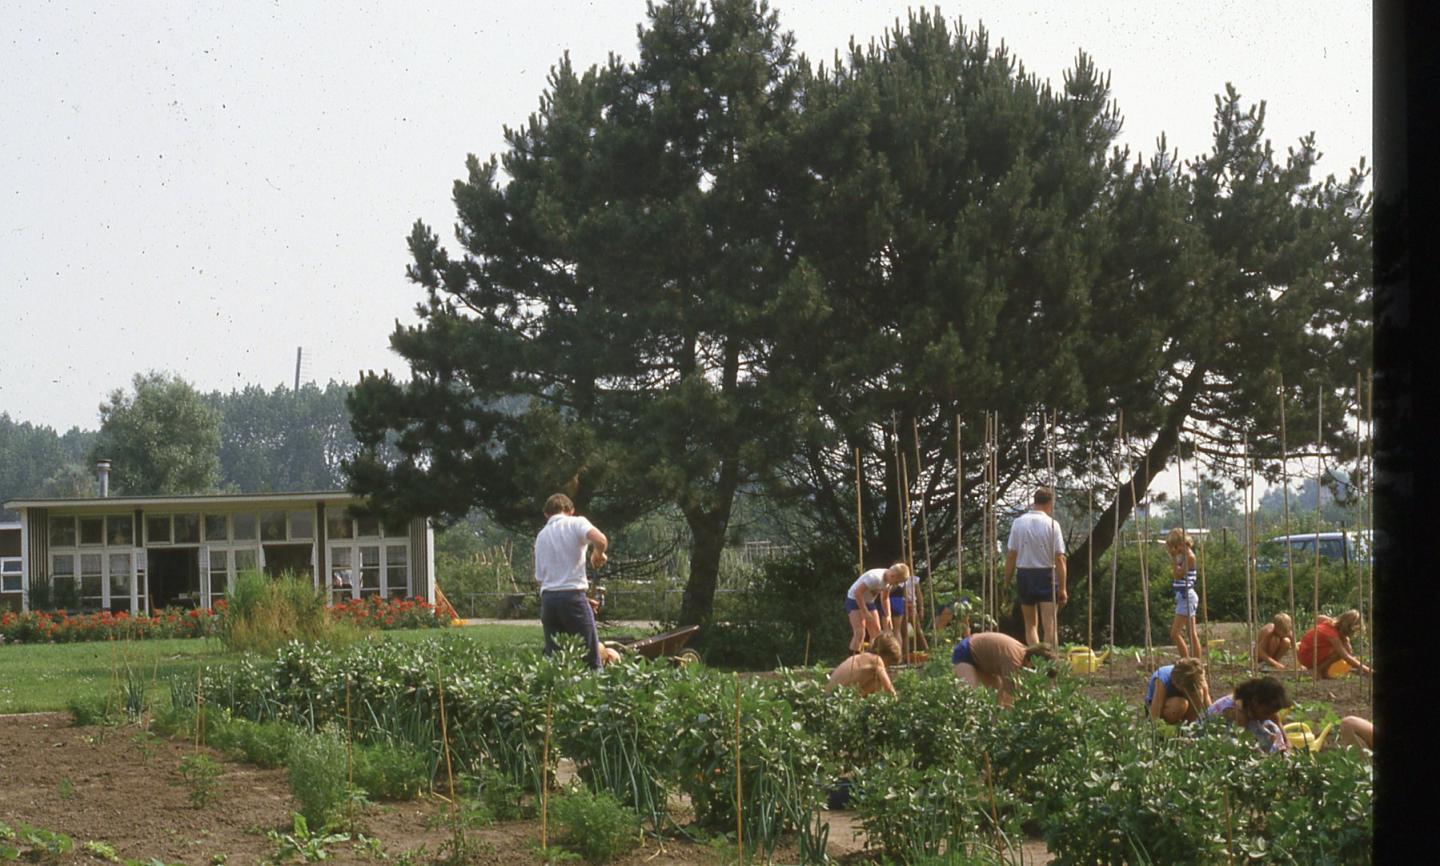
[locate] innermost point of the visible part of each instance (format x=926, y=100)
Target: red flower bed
x=59, y=627
x=389, y=613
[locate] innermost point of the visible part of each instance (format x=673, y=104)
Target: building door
x=174, y=577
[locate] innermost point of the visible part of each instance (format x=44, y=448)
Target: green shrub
x=87, y=711
x=391, y=772
x=318, y=777
x=595, y=826
x=490, y=795
x=263, y=614
x=265, y=744
x=201, y=775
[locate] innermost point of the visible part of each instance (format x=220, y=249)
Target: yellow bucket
x=1083, y=660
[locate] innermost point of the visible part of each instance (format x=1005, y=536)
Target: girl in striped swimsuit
x=1182, y=562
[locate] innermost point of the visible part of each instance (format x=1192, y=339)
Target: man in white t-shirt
x=1035, y=557
x=560, y=571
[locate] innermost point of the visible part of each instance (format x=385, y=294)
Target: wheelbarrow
x=670, y=644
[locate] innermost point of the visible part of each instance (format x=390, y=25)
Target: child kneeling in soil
x=1329, y=642
x=1274, y=643
x=1356, y=732
x=991, y=658
x=868, y=670
x=1184, y=695
x=1254, y=706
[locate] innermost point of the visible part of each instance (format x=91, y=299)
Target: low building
x=142, y=553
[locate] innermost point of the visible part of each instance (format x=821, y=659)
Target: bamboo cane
x=1319, y=484
x=1285, y=488
x=1115, y=545
x=906, y=641
x=924, y=536
x=445, y=746
x=349, y=738
x=959, y=511
x=859, y=517
x=1054, y=637
x=1252, y=601
x=1200, y=521
x=1090, y=549
x=544, y=783
x=1141, y=531
x=739, y=801
x=199, y=708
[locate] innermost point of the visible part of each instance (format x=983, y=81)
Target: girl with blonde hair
x=1178, y=693
x=1329, y=642
x=1187, y=602
x=1274, y=642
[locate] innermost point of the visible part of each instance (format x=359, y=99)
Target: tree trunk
x=707, y=531
x=1102, y=533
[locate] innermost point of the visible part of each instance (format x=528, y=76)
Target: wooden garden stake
x=1285, y=492
x=1200, y=520
x=1319, y=478
x=199, y=708
x=924, y=530
x=1115, y=546
x=1089, y=551
x=1370, y=509
x=739, y=802
x=1252, y=600
x=906, y=642
x=445, y=738
x=959, y=512
x=545, y=782
x=806, y=663
x=350, y=737
x=1229, y=829
x=994, y=812
x=859, y=520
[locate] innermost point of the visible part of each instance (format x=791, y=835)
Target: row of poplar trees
x=722, y=267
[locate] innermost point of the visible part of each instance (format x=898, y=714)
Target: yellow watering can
x=1301, y=737
x=1083, y=660
x=1338, y=669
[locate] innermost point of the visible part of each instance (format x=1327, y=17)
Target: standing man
x=1036, y=554
x=560, y=571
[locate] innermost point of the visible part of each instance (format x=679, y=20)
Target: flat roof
x=198, y=500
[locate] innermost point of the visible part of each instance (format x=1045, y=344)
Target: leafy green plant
x=391, y=772
x=317, y=776
x=101, y=851
x=202, y=778
x=66, y=788
x=311, y=847
x=33, y=844
x=87, y=711
x=595, y=825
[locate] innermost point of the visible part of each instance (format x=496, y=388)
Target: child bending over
x=868, y=671
x=1254, y=706
x=1274, y=643
x=1182, y=692
x=1329, y=642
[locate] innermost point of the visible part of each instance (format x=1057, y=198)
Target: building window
x=62, y=532
x=367, y=527
x=369, y=571
x=92, y=530
x=119, y=581
x=217, y=527
x=62, y=571
x=338, y=524
x=219, y=574
x=245, y=561
x=120, y=530
x=10, y=574
x=157, y=529
x=244, y=526
x=397, y=571
x=302, y=525
x=92, y=581
x=272, y=526
x=342, y=575
x=187, y=529
x=396, y=529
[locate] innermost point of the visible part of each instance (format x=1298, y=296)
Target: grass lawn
x=47, y=677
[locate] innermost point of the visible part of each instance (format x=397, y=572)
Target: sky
x=202, y=187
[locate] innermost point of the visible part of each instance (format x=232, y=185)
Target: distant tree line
x=163, y=436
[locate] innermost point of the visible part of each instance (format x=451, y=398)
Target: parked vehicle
x=1335, y=546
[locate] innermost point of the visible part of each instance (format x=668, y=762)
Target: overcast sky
x=201, y=187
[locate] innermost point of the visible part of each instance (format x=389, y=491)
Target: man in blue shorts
x=1035, y=558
